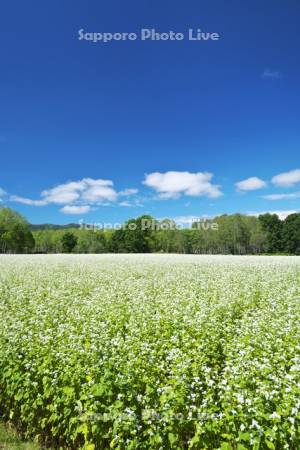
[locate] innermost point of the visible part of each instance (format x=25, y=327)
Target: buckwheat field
x=151, y=351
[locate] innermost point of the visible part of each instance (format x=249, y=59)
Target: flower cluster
x=151, y=351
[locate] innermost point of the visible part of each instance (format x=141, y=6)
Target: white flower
x=275, y=415
x=255, y=424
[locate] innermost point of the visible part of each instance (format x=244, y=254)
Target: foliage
x=132, y=238
x=291, y=234
x=152, y=352
x=273, y=227
x=227, y=234
x=234, y=234
x=68, y=242
x=15, y=234
x=9, y=440
x=88, y=241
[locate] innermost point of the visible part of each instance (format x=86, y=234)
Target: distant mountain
x=50, y=226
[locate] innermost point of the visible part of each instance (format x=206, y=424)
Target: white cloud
x=87, y=190
x=128, y=192
x=281, y=214
x=125, y=203
x=271, y=74
x=282, y=196
x=131, y=204
x=75, y=209
x=99, y=194
x=287, y=179
x=78, y=197
x=250, y=184
x=27, y=201
x=174, y=184
x=63, y=193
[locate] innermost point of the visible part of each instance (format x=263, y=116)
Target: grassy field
x=9, y=440
x=151, y=351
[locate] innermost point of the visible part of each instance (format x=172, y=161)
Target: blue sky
x=163, y=127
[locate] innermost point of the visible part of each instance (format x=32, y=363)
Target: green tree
x=291, y=234
x=68, y=242
x=273, y=227
x=134, y=237
x=15, y=234
x=258, y=237
x=90, y=241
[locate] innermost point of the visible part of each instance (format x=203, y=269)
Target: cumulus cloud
x=250, y=184
x=282, y=196
x=87, y=190
x=75, y=209
x=99, y=194
x=63, y=193
x=287, y=179
x=77, y=197
x=172, y=184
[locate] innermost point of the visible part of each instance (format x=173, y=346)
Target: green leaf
x=68, y=390
x=226, y=446
x=241, y=447
x=172, y=438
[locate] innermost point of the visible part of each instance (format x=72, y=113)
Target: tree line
x=226, y=234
